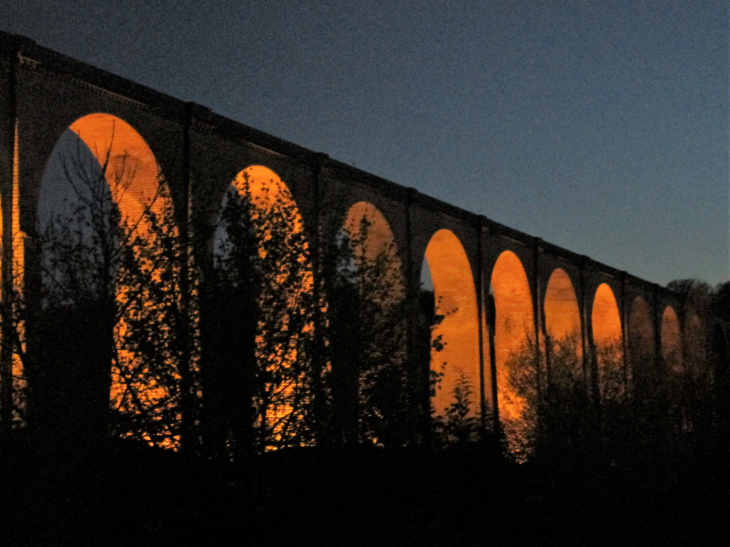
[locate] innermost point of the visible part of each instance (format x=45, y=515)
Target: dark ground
x=125, y=494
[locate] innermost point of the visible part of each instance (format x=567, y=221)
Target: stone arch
x=563, y=344
x=121, y=157
x=671, y=338
x=367, y=225
x=695, y=345
x=562, y=316
x=514, y=341
x=455, y=300
x=368, y=327
x=127, y=161
x=607, y=341
x=275, y=322
x=641, y=341
x=100, y=162
x=269, y=195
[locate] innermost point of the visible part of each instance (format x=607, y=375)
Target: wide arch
x=455, y=300
x=607, y=340
x=671, y=338
x=129, y=165
x=514, y=341
x=276, y=281
x=641, y=341
x=98, y=162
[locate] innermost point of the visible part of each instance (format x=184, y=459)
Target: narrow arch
x=671, y=338
x=366, y=218
x=563, y=346
x=514, y=340
x=455, y=300
x=266, y=293
x=367, y=334
x=562, y=316
x=641, y=342
x=373, y=246
x=607, y=340
x=99, y=166
x=695, y=345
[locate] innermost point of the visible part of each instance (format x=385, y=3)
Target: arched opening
x=671, y=341
x=262, y=324
x=563, y=346
x=562, y=316
x=607, y=340
x=373, y=392
x=456, y=357
x=110, y=266
x=696, y=344
x=641, y=343
x=129, y=166
x=373, y=242
x=515, y=350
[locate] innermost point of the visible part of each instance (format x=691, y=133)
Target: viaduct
x=504, y=285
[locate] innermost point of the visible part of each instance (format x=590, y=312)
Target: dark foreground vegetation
x=129, y=386
x=125, y=493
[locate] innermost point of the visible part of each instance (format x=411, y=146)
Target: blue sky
x=598, y=126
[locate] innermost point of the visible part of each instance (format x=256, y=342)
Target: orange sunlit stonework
x=380, y=240
x=607, y=338
x=563, y=344
x=605, y=317
x=273, y=209
x=671, y=341
x=514, y=328
x=129, y=165
x=455, y=298
x=562, y=317
x=134, y=180
x=378, y=251
x=268, y=193
x=18, y=268
x=640, y=336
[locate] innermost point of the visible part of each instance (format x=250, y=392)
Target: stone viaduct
x=505, y=285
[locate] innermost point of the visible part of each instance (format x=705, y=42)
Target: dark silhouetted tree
x=378, y=392
x=259, y=307
x=100, y=333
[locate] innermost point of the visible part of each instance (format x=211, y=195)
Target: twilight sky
x=598, y=126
